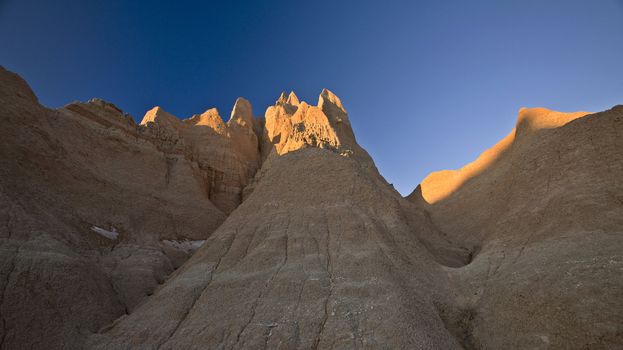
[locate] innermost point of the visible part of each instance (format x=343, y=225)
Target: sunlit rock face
x=86, y=199
x=227, y=155
x=295, y=240
x=290, y=125
x=541, y=215
x=441, y=184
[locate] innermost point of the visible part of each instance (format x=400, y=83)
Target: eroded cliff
x=306, y=245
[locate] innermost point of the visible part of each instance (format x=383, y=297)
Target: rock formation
x=95, y=209
x=542, y=216
x=227, y=155
x=306, y=245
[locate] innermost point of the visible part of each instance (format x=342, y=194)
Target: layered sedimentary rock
x=306, y=245
x=337, y=260
x=439, y=185
x=227, y=154
x=291, y=125
x=97, y=210
x=542, y=214
x=320, y=255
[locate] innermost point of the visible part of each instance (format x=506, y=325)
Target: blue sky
x=429, y=85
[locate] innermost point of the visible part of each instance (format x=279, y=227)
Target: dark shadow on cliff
x=459, y=203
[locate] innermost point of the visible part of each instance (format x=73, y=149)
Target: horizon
x=406, y=73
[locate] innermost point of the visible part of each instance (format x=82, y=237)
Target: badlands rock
x=542, y=215
x=439, y=185
x=291, y=125
x=68, y=175
x=306, y=245
x=318, y=256
x=227, y=155
x=293, y=99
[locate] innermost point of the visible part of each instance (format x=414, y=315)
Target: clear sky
x=428, y=85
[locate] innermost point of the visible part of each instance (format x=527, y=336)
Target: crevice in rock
x=257, y=301
x=4, y=290
x=460, y=324
x=119, y=296
x=8, y=222
x=329, y=270
x=472, y=253
x=444, y=251
x=170, y=164
x=268, y=334
x=192, y=305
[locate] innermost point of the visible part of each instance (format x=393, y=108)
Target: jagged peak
x=293, y=99
x=328, y=96
x=332, y=106
x=211, y=117
x=282, y=98
x=242, y=113
x=158, y=115
x=212, y=112
x=284, y=104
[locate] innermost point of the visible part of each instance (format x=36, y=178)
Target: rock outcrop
x=541, y=214
x=440, y=185
x=97, y=211
x=306, y=245
x=227, y=155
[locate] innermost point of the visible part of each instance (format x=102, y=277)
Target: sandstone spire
x=293, y=99
x=282, y=98
x=242, y=113
x=160, y=116
x=210, y=118
x=331, y=104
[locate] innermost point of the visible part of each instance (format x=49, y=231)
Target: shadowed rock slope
x=321, y=254
x=96, y=211
x=542, y=215
x=307, y=246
